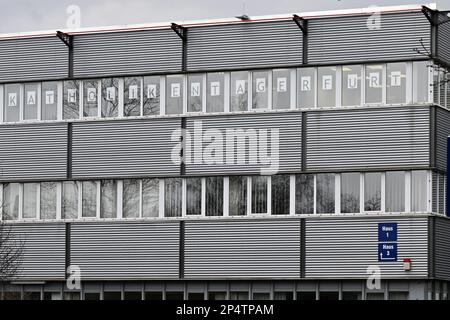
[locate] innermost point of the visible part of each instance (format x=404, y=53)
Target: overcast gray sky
x=32, y=15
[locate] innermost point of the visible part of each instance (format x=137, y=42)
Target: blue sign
x=387, y=232
x=387, y=252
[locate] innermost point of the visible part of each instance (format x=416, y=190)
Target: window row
x=393, y=191
x=335, y=86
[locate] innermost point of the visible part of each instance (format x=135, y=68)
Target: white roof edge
x=164, y=25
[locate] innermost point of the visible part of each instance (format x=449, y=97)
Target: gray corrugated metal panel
x=43, y=255
x=33, y=59
x=124, y=148
x=442, y=248
x=442, y=132
x=345, y=247
x=368, y=138
x=289, y=129
x=443, y=42
x=242, y=249
x=127, y=52
x=33, y=151
x=244, y=45
x=441, y=194
x=348, y=38
x=125, y=250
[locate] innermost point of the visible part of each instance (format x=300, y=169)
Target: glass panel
x=325, y=193
x=238, y=196
x=395, y=191
x=150, y=198
x=172, y=197
x=152, y=96
x=374, y=83
x=281, y=89
x=89, y=199
x=90, y=99
x=259, y=194
x=31, y=101
x=442, y=83
x=436, y=84
x=49, y=101
x=214, y=196
x=131, y=194
x=351, y=85
x=195, y=94
x=174, y=94
x=215, y=83
x=30, y=200
x=372, y=191
x=108, y=199
x=11, y=201
x=326, y=87
x=194, y=196
x=419, y=191
x=239, y=91
x=280, y=194
x=350, y=183
x=306, y=87
x=260, y=92
x=420, y=78
x=396, y=82
x=304, y=194
x=11, y=103
x=70, y=200
x=132, y=96
x=48, y=200
x=71, y=99
x=110, y=97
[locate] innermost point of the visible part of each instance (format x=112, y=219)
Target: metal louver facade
x=443, y=41
x=441, y=248
x=442, y=132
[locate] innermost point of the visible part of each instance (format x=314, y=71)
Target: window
x=48, y=201
x=11, y=103
x=71, y=99
x=329, y=295
x=261, y=296
x=131, y=194
x=172, y=197
x=132, y=96
x=351, y=295
x=112, y=295
x=89, y=199
x=90, y=98
x=304, y=194
x=31, y=100
x=374, y=296
x=395, y=191
x=350, y=183
x=132, y=295
x=238, y=196
x=215, y=83
x=150, y=198
x=11, y=201
x=281, y=89
x=260, y=91
x=283, y=295
x=153, y=295
x=70, y=200
x=351, y=85
x=306, y=87
x=110, y=97
x=306, y=296
x=326, y=87
x=396, y=83
x=374, y=83
x=49, y=101
x=152, y=96
x=194, y=196
x=419, y=191
x=325, y=193
x=420, y=81
x=217, y=295
x=195, y=93
x=108, y=199
x=372, y=191
x=239, y=295
x=174, y=94
x=239, y=91
x=214, y=196
x=280, y=194
x=175, y=295
x=30, y=200
x=259, y=194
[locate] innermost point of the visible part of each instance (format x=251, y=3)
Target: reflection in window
x=374, y=83
x=131, y=194
x=30, y=200
x=48, y=201
x=172, y=197
x=89, y=199
x=110, y=97
x=70, y=200
x=90, y=98
x=11, y=103
x=214, y=196
x=350, y=192
x=420, y=80
x=11, y=201
x=31, y=100
x=395, y=191
x=306, y=87
x=280, y=194
x=304, y=194
x=259, y=194
x=174, y=94
x=239, y=91
x=195, y=93
x=419, y=191
x=281, y=89
x=396, y=83
x=372, y=191
x=150, y=197
x=326, y=87
x=325, y=193
x=260, y=89
x=108, y=199
x=132, y=96
x=351, y=85
x=71, y=99
x=194, y=196
x=152, y=96
x=238, y=196
x=215, y=86
x=49, y=101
